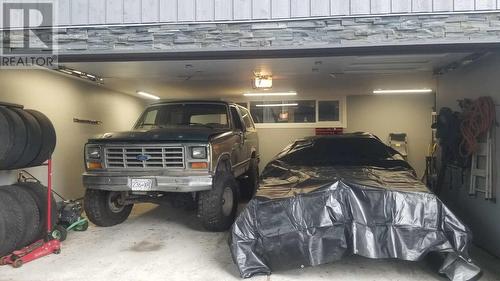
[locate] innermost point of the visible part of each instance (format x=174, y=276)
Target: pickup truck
x=203, y=152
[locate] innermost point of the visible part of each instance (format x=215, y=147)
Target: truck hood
x=161, y=134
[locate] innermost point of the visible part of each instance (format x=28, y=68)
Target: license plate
x=141, y=184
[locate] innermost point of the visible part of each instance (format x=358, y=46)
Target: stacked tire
x=27, y=138
x=23, y=215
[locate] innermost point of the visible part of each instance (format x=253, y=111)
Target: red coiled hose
x=478, y=118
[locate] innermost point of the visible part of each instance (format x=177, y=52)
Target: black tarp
x=326, y=197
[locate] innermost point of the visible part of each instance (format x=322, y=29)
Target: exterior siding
x=95, y=12
x=293, y=34
x=242, y=9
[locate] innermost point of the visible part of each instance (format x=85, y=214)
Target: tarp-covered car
x=325, y=197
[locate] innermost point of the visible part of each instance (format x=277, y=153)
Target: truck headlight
x=199, y=152
x=93, y=152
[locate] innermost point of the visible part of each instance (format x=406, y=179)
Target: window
x=275, y=113
x=247, y=119
x=328, y=110
x=209, y=119
x=169, y=115
x=303, y=111
x=236, y=119
x=150, y=118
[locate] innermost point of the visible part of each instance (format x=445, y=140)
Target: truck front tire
x=104, y=209
x=217, y=207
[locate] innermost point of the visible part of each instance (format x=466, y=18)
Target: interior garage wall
x=272, y=141
x=61, y=99
x=379, y=115
x=475, y=80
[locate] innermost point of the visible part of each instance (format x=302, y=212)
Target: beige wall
x=272, y=141
x=379, y=115
x=62, y=99
x=472, y=81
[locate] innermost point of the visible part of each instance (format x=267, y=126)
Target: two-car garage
x=424, y=102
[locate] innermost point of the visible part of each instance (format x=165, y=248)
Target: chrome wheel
x=114, y=202
x=227, y=201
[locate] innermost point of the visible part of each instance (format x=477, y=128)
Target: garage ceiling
x=230, y=78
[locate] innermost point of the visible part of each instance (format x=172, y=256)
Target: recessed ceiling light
x=270, y=94
x=148, y=95
x=402, y=91
x=276, y=104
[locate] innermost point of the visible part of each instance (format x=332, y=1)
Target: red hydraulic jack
x=42, y=247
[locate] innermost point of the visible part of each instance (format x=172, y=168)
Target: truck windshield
x=210, y=115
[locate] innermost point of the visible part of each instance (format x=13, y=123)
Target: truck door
x=238, y=154
x=251, y=140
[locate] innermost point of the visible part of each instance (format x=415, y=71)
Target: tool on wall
x=447, y=127
x=467, y=142
x=478, y=143
x=431, y=172
x=482, y=171
x=87, y=121
x=478, y=119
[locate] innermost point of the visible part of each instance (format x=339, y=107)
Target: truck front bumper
x=160, y=182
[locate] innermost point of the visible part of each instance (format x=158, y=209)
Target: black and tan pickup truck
x=204, y=152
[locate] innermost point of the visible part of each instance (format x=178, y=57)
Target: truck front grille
x=144, y=157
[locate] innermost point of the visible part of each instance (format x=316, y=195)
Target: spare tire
x=39, y=193
x=15, y=223
x=3, y=228
x=5, y=135
x=15, y=142
x=34, y=139
x=48, y=138
x=29, y=212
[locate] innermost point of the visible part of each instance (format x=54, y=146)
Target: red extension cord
x=478, y=118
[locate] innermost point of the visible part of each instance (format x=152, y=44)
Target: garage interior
x=160, y=241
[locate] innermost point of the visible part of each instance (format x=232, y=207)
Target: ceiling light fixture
x=402, y=91
x=276, y=104
x=274, y=94
x=80, y=74
x=262, y=81
x=148, y=95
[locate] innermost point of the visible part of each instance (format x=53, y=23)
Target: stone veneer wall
x=342, y=32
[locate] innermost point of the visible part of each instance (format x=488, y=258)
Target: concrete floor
x=162, y=243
